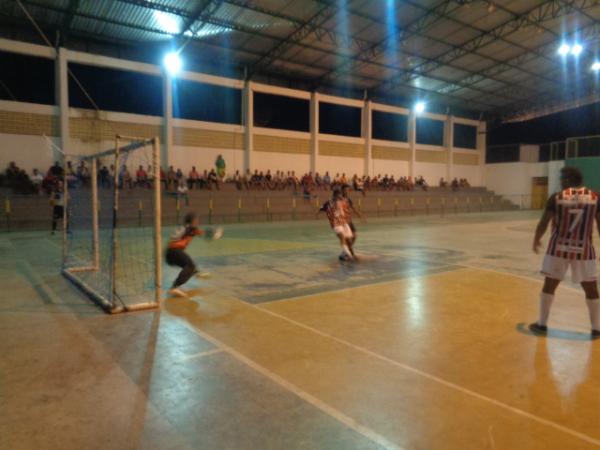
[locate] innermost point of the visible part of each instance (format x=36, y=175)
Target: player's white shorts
x=581, y=270
x=344, y=230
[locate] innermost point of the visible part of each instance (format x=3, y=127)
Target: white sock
x=347, y=250
x=594, y=310
x=545, y=305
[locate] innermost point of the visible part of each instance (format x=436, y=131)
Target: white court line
x=487, y=269
x=449, y=384
x=212, y=351
x=350, y=288
x=348, y=421
x=522, y=277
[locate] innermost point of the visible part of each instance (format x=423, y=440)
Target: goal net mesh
x=112, y=226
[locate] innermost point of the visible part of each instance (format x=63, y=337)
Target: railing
x=27, y=212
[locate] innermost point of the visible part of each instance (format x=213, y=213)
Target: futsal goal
x=112, y=226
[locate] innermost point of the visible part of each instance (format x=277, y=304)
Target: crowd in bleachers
x=178, y=182
x=281, y=180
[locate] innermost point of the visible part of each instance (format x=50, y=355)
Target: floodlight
x=564, y=49
x=172, y=63
x=576, y=49
x=420, y=107
x=596, y=66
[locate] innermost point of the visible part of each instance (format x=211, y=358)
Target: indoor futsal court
x=423, y=344
x=299, y=224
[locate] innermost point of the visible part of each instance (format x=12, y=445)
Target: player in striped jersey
x=351, y=210
x=339, y=217
x=573, y=212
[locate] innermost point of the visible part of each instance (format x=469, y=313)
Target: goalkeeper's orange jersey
x=183, y=236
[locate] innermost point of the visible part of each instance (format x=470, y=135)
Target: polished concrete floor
x=420, y=345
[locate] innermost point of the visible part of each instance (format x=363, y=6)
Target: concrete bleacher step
x=231, y=205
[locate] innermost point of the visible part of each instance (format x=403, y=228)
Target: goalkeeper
x=177, y=256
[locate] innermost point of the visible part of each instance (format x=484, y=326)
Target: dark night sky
x=31, y=79
x=582, y=121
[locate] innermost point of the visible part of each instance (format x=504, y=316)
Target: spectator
x=178, y=176
x=71, y=175
x=238, y=180
x=53, y=176
x=125, y=178
x=83, y=174
x=327, y=180
x=182, y=192
x=103, y=176
x=11, y=171
x=150, y=175
x=56, y=170
x=171, y=179
x=112, y=175
x=37, y=180
x=212, y=179
x=420, y=181
x=318, y=181
x=268, y=180
x=141, y=177
x=220, y=166
x=358, y=185
x=193, y=178
x=443, y=183
x=454, y=185
x=163, y=179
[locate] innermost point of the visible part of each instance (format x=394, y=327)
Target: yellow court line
x=439, y=380
x=348, y=421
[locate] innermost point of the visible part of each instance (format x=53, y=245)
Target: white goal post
x=112, y=225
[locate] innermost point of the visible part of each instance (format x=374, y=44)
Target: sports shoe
x=595, y=334
x=536, y=328
x=177, y=292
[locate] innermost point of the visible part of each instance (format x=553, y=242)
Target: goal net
x=112, y=227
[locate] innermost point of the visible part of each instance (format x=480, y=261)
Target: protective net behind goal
x=112, y=225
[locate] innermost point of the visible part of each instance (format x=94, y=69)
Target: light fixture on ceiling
x=173, y=63
x=564, y=49
x=576, y=49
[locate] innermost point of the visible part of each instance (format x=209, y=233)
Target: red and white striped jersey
x=575, y=211
x=337, y=212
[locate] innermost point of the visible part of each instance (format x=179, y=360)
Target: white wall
x=432, y=172
x=529, y=153
x=513, y=180
x=337, y=164
x=554, y=175
x=28, y=152
x=391, y=167
x=263, y=161
x=471, y=173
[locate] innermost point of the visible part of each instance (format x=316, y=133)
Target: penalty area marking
x=439, y=380
x=346, y=420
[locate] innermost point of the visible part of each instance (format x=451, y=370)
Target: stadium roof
x=498, y=58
